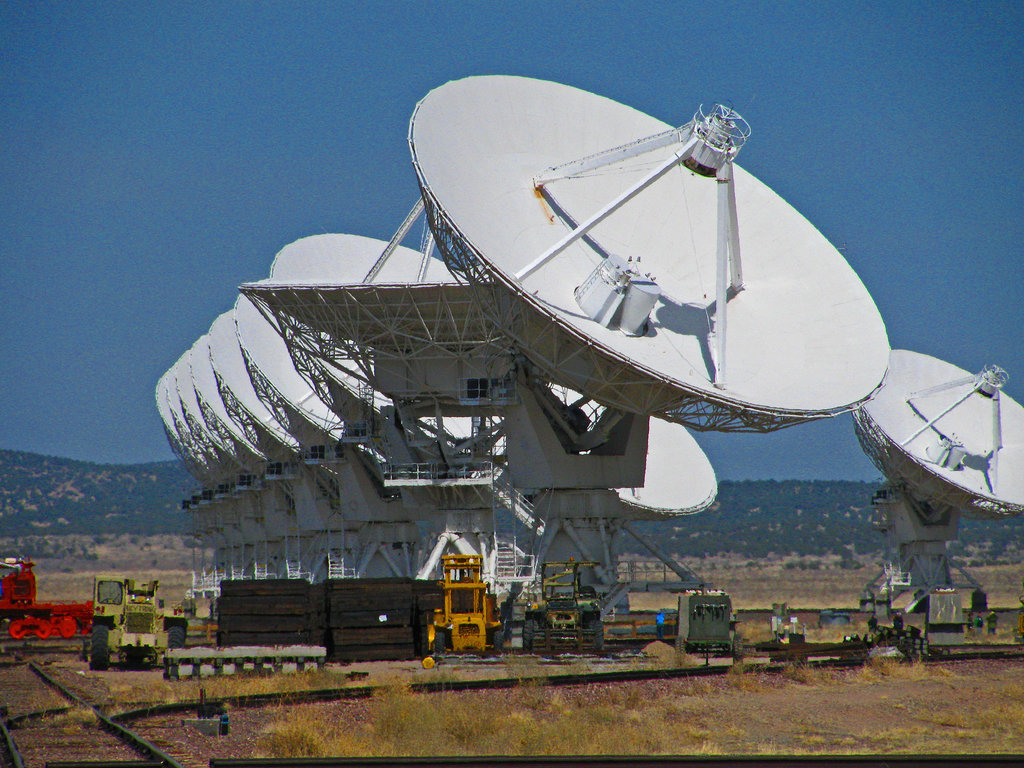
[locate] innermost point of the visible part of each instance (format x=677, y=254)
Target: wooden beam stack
x=354, y=619
x=265, y=612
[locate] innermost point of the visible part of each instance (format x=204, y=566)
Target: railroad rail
x=587, y=678
x=452, y=686
x=86, y=743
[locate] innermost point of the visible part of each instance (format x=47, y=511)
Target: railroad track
x=76, y=720
x=66, y=735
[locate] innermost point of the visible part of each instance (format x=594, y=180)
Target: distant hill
x=761, y=518
x=47, y=495
x=44, y=495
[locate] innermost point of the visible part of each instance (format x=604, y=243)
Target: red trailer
x=27, y=617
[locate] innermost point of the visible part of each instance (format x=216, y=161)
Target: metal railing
x=433, y=471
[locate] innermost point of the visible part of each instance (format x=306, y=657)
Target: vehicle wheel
x=439, y=642
x=176, y=637
x=529, y=630
x=499, y=640
x=67, y=627
x=44, y=629
x=17, y=629
x=99, y=654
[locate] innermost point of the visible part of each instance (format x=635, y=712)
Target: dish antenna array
x=608, y=269
x=379, y=532
x=428, y=346
x=347, y=333
x=949, y=443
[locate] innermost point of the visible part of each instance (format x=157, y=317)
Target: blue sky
x=156, y=155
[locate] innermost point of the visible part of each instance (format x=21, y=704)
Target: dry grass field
x=884, y=707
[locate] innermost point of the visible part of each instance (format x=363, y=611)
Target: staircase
x=336, y=568
x=511, y=564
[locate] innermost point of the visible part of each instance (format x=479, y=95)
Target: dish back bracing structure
x=441, y=461
x=428, y=346
x=950, y=443
x=612, y=249
x=292, y=500
x=366, y=523
x=238, y=514
x=206, y=527
x=213, y=467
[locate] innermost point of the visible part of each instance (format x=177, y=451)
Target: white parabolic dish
x=890, y=430
x=226, y=358
x=804, y=340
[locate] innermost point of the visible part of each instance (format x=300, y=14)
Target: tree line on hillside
x=45, y=495
x=54, y=496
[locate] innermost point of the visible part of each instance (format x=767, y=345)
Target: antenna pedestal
x=918, y=534
x=464, y=532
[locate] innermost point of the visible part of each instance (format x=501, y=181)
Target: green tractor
x=130, y=624
x=566, y=616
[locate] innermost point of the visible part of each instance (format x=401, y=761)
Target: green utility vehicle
x=566, y=615
x=130, y=624
x=706, y=623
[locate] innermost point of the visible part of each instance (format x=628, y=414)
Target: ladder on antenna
x=366, y=427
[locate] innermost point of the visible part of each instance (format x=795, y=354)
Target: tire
x=16, y=629
x=598, y=628
x=529, y=630
x=499, y=640
x=99, y=653
x=44, y=629
x=440, y=646
x=67, y=626
x=176, y=637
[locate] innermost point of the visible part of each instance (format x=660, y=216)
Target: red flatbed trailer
x=28, y=617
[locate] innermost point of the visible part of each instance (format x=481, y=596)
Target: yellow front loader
x=468, y=622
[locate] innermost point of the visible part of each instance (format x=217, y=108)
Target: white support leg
x=735, y=264
x=722, y=275
x=606, y=575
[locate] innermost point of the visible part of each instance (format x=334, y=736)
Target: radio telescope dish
x=596, y=226
x=346, y=259
x=192, y=427
x=163, y=405
x=211, y=405
x=679, y=479
x=948, y=435
x=239, y=397
x=949, y=442
x=293, y=402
